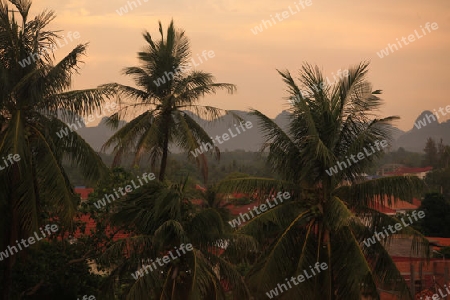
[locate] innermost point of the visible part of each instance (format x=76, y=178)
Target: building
x=83, y=192
x=406, y=171
x=391, y=208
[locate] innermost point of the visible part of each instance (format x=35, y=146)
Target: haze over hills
x=98, y=135
x=252, y=139
x=423, y=128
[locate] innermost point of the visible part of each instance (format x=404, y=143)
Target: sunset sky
x=332, y=34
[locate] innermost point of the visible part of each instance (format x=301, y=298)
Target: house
x=83, y=192
x=391, y=208
x=439, y=242
x=405, y=171
x=421, y=275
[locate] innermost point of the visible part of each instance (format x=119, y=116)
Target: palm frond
x=385, y=190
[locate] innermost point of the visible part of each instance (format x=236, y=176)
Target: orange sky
x=333, y=34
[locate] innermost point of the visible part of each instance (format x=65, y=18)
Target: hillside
x=423, y=128
x=251, y=140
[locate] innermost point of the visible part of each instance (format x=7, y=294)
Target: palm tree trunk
x=7, y=280
x=11, y=236
x=162, y=170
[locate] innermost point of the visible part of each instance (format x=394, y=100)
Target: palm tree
x=212, y=199
x=328, y=217
x=35, y=185
x=167, y=105
x=162, y=217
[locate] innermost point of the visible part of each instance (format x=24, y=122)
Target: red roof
x=199, y=202
x=236, y=210
x=384, y=207
x=83, y=192
x=444, y=242
x=406, y=170
x=239, y=195
x=402, y=205
x=199, y=187
x=90, y=227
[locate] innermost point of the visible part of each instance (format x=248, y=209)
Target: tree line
x=324, y=221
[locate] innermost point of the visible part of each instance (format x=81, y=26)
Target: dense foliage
x=99, y=249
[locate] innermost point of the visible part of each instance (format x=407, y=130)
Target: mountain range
x=424, y=127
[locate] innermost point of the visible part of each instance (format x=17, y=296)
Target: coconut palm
x=212, y=199
x=328, y=217
x=31, y=96
x=160, y=217
x=168, y=91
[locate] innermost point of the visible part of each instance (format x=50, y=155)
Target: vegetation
x=403, y=157
x=444, y=252
x=98, y=250
x=161, y=218
x=437, y=215
x=36, y=187
x=47, y=274
x=439, y=157
x=321, y=218
x=179, y=166
x=166, y=118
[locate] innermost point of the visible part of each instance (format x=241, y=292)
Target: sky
x=334, y=35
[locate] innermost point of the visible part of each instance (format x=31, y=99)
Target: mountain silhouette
x=424, y=127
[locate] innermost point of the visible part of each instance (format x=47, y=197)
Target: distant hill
x=95, y=136
x=252, y=139
x=423, y=128
x=98, y=135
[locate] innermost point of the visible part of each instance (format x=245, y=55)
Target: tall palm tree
x=167, y=105
x=161, y=217
x=31, y=96
x=328, y=217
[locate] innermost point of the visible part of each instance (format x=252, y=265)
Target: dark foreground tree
x=69, y=278
x=168, y=91
x=330, y=214
x=436, y=222
x=161, y=218
x=34, y=186
x=431, y=153
x=439, y=181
